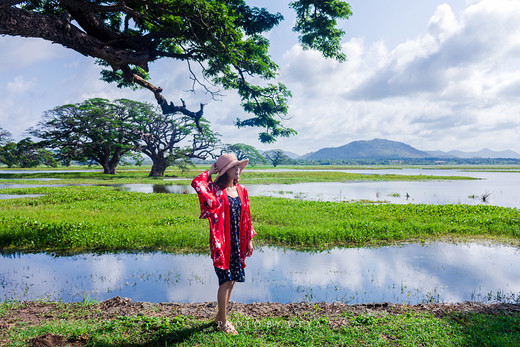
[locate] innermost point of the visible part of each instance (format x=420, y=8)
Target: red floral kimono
x=214, y=205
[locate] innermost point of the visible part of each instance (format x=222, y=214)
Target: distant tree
x=94, y=130
x=25, y=154
x=132, y=158
x=173, y=140
x=243, y=151
x=5, y=137
x=277, y=157
x=223, y=43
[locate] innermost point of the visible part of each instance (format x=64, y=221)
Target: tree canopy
x=101, y=131
x=96, y=130
x=243, y=151
x=220, y=38
x=173, y=140
x=5, y=136
x=277, y=157
x=25, y=153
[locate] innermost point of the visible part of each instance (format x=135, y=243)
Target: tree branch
x=19, y=22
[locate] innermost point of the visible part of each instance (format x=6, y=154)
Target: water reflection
x=495, y=185
x=156, y=188
x=15, y=196
x=412, y=273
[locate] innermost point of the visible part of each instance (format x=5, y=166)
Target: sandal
x=227, y=328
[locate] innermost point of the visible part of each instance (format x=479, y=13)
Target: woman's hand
x=250, y=248
x=213, y=169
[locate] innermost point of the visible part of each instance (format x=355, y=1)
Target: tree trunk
x=159, y=166
x=109, y=169
x=110, y=165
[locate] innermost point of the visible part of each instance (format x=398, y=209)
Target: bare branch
x=195, y=79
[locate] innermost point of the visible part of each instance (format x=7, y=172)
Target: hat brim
x=241, y=163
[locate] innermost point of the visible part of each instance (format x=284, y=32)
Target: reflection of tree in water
x=176, y=189
x=159, y=188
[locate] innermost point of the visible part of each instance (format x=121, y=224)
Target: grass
x=408, y=328
x=86, y=218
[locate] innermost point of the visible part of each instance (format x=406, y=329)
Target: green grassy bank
x=85, y=324
x=84, y=218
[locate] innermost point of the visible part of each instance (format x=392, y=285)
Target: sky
x=437, y=75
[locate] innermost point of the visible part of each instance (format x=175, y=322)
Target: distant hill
x=484, y=153
x=291, y=155
x=374, y=149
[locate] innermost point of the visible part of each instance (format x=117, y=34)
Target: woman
x=226, y=205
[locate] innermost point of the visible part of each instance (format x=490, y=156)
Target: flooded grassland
x=85, y=244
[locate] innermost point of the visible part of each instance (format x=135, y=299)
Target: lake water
x=501, y=188
x=437, y=272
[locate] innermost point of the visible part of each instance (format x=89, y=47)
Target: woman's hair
x=221, y=179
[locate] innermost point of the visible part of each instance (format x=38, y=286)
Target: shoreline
x=118, y=306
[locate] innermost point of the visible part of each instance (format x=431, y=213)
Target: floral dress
x=235, y=271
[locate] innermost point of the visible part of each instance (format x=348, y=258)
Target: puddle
x=437, y=272
x=15, y=196
x=30, y=179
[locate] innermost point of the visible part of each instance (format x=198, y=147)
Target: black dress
x=235, y=271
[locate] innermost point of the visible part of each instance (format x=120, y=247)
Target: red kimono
x=214, y=205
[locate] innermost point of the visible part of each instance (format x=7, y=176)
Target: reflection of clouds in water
x=451, y=271
x=21, y=277
x=355, y=269
x=429, y=192
x=410, y=273
x=270, y=257
x=108, y=270
x=492, y=264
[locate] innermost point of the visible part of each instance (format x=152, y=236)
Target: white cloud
x=23, y=52
x=455, y=84
x=19, y=85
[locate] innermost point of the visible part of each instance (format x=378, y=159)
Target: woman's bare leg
x=229, y=292
x=223, y=296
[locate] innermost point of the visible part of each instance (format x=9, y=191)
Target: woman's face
x=234, y=172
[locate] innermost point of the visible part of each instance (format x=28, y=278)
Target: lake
x=436, y=272
x=501, y=189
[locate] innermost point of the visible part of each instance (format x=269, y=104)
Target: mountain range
x=386, y=149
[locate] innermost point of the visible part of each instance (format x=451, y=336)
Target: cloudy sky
x=438, y=75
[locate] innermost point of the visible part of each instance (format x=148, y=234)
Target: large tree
x=173, y=140
x=277, y=157
x=222, y=38
x=96, y=130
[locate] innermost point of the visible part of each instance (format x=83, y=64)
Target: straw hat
x=228, y=160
